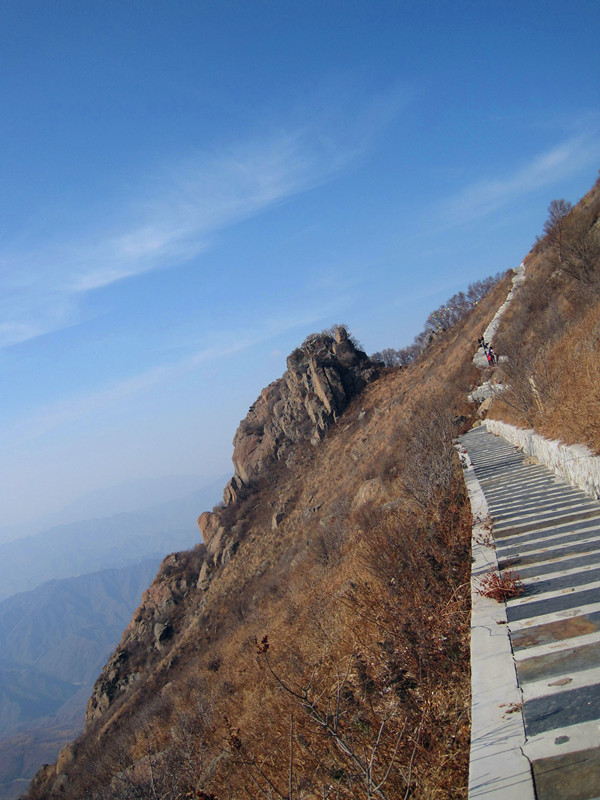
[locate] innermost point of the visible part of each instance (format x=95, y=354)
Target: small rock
x=163, y=631
x=275, y=520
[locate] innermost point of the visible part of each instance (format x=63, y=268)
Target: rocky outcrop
x=151, y=630
x=322, y=377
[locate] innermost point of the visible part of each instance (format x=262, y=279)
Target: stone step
x=553, y=665
x=563, y=533
x=548, y=533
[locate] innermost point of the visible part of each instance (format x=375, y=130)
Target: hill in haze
x=55, y=637
x=53, y=641
x=122, y=498
x=102, y=543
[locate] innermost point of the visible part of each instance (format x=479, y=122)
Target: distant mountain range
x=123, y=498
x=78, y=548
x=66, y=595
x=54, y=641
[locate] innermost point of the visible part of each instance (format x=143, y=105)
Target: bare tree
x=362, y=751
x=388, y=357
x=429, y=454
x=581, y=253
x=554, y=227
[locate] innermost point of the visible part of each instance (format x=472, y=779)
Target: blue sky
x=191, y=188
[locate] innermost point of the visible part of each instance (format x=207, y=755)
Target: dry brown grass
x=551, y=336
x=571, y=410
x=501, y=587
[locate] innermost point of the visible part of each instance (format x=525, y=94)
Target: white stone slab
x=498, y=769
x=557, y=616
x=556, y=647
x=570, y=739
x=560, y=683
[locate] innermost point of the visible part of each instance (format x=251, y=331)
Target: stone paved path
x=549, y=533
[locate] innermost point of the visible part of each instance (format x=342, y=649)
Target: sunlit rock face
x=322, y=377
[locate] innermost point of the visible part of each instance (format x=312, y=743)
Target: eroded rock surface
x=153, y=626
x=322, y=377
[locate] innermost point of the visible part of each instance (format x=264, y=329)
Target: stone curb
x=498, y=768
x=479, y=359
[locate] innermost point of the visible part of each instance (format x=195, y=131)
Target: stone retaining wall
x=575, y=463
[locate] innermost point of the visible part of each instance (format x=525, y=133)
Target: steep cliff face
x=322, y=377
x=154, y=624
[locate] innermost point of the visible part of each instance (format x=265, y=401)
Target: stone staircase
x=543, y=647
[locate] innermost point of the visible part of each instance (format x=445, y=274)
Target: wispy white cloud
x=172, y=217
x=487, y=196
x=214, y=348
x=91, y=405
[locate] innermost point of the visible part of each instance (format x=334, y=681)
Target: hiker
x=493, y=355
x=490, y=358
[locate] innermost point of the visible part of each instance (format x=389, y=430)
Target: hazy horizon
x=139, y=495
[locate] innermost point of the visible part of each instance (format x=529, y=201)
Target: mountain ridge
x=274, y=533
x=102, y=543
x=54, y=639
x=60, y=633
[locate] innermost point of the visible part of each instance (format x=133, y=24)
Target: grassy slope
x=552, y=336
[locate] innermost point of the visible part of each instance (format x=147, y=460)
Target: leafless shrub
x=362, y=742
x=459, y=305
x=581, y=253
x=389, y=357
x=449, y=314
x=428, y=455
x=501, y=586
x=554, y=227
x=330, y=539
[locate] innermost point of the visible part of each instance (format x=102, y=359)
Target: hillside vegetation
x=552, y=334
x=317, y=645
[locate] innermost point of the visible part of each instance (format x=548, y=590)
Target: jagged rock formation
x=152, y=626
x=322, y=376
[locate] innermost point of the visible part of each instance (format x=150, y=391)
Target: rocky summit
x=322, y=376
